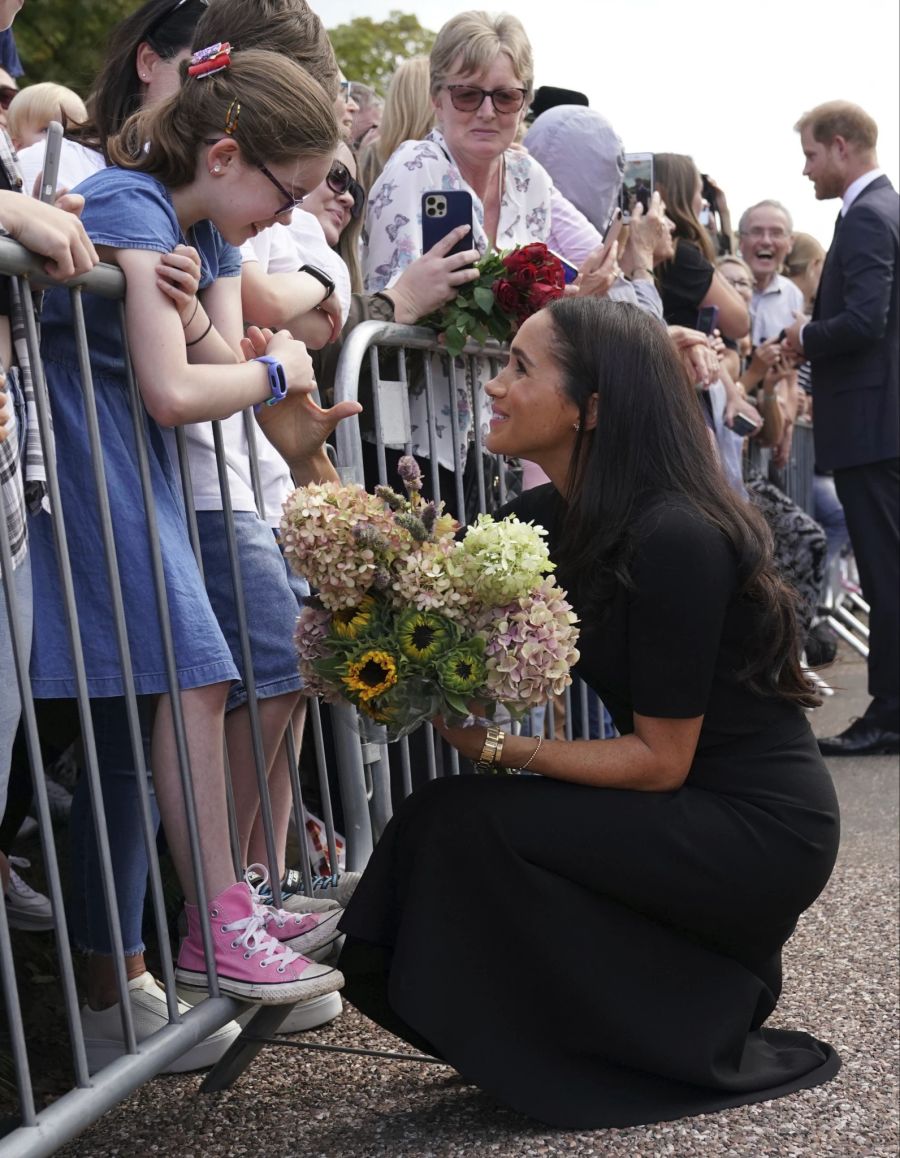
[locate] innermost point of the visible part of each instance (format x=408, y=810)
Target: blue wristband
x=277, y=380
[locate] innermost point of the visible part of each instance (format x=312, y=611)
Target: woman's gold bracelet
x=537, y=749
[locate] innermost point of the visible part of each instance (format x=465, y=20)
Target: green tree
x=65, y=40
x=369, y=50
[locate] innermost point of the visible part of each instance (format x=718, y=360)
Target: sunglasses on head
x=340, y=180
x=168, y=14
x=7, y=92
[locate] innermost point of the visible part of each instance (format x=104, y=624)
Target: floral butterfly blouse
x=392, y=240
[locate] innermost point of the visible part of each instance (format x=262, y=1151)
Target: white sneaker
x=308, y=1014
x=104, y=1042
x=26, y=908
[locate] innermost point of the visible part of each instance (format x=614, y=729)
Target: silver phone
x=50, y=175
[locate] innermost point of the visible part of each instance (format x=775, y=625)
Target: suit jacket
x=853, y=340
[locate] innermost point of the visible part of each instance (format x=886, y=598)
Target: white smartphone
x=50, y=175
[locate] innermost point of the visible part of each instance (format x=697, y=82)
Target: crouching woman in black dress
x=599, y=944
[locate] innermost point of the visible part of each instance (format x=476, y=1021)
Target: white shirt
x=76, y=164
x=856, y=187
x=772, y=309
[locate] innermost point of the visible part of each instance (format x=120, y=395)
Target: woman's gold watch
x=492, y=750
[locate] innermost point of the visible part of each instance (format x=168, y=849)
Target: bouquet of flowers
x=510, y=288
x=410, y=622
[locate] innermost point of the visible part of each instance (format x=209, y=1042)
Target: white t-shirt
x=76, y=164
x=283, y=249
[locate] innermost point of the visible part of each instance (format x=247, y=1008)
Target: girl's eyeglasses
x=7, y=93
x=291, y=201
x=466, y=98
x=340, y=180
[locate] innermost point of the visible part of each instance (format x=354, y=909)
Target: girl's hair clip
x=209, y=60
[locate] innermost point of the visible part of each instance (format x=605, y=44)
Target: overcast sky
x=727, y=88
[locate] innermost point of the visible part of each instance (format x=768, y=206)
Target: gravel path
x=841, y=983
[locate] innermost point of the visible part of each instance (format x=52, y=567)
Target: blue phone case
x=442, y=211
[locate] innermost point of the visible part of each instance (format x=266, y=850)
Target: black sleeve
x=684, y=574
x=683, y=284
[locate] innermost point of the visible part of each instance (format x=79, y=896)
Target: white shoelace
x=16, y=884
x=254, y=939
x=261, y=908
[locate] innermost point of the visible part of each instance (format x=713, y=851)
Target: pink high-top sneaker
x=251, y=964
x=303, y=932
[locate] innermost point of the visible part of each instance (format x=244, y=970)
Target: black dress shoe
x=862, y=738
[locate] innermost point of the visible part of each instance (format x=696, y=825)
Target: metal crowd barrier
x=796, y=479
x=381, y=364
x=26, y=1128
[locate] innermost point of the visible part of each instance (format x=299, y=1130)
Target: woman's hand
x=433, y=279
x=178, y=276
x=6, y=412
x=699, y=359
x=51, y=231
x=469, y=742
x=599, y=272
x=649, y=237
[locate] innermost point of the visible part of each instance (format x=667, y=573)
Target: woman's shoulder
x=524, y=174
x=669, y=530
x=412, y=158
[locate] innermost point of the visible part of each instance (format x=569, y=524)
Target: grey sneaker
x=326, y=891
x=26, y=908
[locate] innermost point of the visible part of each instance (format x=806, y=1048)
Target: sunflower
x=374, y=673
x=422, y=635
x=351, y=622
x=463, y=670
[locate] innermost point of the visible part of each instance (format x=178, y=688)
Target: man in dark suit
x=852, y=342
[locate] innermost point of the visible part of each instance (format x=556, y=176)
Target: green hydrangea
x=501, y=561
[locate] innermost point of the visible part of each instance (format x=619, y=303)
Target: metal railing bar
x=104, y=280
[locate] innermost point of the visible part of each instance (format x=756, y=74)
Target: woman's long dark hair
x=650, y=441
x=117, y=91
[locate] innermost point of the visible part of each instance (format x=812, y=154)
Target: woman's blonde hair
x=676, y=177
x=270, y=106
x=804, y=251
x=408, y=115
x=470, y=43
x=39, y=104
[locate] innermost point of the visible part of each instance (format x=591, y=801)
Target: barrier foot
x=244, y=1049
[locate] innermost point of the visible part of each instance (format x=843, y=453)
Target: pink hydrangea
x=530, y=647
x=320, y=532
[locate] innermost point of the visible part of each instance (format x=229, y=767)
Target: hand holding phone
x=50, y=174
x=442, y=211
x=743, y=425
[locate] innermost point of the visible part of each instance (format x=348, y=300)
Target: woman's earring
x=217, y=168
x=576, y=426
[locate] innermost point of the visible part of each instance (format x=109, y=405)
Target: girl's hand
x=293, y=355
x=178, y=276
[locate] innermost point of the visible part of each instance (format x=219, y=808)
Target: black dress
x=599, y=957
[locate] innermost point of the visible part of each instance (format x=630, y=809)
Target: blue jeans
x=10, y=702
x=86, y=911
x=829, y=514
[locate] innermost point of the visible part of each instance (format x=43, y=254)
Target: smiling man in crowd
x=766, y=235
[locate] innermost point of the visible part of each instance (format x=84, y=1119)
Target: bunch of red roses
x=510, y=288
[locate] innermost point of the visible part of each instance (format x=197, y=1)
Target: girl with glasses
x=260, y=110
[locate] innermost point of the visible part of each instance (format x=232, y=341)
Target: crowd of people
x=260, y=205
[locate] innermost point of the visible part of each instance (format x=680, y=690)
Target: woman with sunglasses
x=481, y=81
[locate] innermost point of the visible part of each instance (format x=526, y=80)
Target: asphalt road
x=841, y=983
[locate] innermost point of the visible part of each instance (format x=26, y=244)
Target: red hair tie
x=209, y=60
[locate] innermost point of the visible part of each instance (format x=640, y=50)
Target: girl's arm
x=290, y=301
x=734, y=318
x=176, y=391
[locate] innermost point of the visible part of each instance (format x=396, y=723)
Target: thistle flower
x=409, y=471
x=389, y=496
x=413, y=524
x=502, y=561
x=530, y=647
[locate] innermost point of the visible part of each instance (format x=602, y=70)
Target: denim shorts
x=273, y=596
